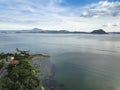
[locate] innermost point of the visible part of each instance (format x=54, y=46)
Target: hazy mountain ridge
x=37, y=30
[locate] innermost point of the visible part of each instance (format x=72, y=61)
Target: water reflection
x=82, y=62
x=86, y=71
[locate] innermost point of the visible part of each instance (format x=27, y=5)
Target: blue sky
x=73, y=15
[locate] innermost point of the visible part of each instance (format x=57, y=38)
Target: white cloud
x=103, y=8
x=111, y=25
x=49, y=14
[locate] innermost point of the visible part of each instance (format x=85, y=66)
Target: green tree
x=22, y=76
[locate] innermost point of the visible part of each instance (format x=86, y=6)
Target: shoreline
x=45, y=67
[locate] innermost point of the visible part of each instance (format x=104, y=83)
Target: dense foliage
x=21, y=75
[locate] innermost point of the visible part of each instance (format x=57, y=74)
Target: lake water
x=82, y=62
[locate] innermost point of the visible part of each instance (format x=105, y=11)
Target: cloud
x=102, y=8
x=24, y=10
x=114, y=25
x=111, y=25
x=42, y=13
x=50, y=14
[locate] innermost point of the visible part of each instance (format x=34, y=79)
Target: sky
x=72, y=15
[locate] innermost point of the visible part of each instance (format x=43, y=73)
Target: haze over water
x=82, y=62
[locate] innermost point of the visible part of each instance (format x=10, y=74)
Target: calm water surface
x=82, y=62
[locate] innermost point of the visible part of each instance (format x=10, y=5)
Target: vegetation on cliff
x=17, y=73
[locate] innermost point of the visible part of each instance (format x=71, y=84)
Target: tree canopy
x=21, y=75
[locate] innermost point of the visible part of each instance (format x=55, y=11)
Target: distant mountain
x=34, y=30
x=37, y=30
x=8, y=31
x=114, y=32
x=57, y=31
x=99, y=31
